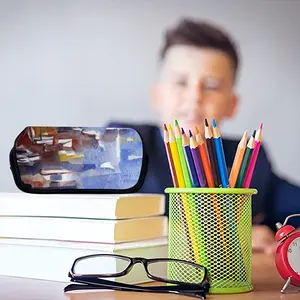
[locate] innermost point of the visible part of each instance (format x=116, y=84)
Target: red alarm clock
x=288, y=253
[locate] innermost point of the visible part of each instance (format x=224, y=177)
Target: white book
x=84, y=230
x=52, y=260
x=99, y=206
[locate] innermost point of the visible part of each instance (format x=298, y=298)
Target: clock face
x=293, y=255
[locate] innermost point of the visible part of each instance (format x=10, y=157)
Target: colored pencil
x=204, y=158
x=197, y=161
x=254, y=156
x=170, y=158
x=238, y=159
x=175, y=156
x=189, y=159
x=220, y=155
x=214, y=173
x=196, y=220
x=187, y=210
x=212, y=155
x=188, y=206
x=203, y=231
x=245, y=163
x=227, y=201
x=185, y=170
x=243, y=172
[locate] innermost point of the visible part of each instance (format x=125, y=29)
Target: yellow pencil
x=184, y=197
x=175, y=156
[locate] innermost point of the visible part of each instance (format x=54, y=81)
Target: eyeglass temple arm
x=191, y=293
x=97, y=281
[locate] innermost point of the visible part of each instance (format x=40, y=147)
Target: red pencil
x=252, y=163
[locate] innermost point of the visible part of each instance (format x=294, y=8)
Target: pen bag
x=78, y=160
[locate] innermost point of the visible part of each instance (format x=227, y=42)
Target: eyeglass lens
x=177, y=271
x=101, y=265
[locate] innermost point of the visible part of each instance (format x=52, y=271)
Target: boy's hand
x=263, y=239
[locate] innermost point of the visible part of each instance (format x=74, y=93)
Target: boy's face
x=195, y=84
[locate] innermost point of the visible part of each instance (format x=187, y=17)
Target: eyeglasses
x=182, y=277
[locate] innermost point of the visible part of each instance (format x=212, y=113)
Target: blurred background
x=83, y=63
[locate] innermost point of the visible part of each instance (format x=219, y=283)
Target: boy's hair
x=200, y=34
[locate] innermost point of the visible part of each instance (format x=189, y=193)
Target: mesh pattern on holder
x=213, y=227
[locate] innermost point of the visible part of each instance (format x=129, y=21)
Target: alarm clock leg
x=287, y=283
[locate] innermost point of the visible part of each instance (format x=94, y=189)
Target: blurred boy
x=198, y=71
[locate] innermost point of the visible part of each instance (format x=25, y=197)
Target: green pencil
x=245, y=163
x=186, y=173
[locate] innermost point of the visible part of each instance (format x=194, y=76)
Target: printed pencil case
x=78, y=160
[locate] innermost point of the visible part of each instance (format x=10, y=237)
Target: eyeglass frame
x=88, y=281
x=145, y=262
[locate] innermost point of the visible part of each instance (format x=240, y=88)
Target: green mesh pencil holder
x=213, y=227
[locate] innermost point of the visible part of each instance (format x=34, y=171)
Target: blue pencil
x=220, y=155
x=225, y=184
x=189, y=159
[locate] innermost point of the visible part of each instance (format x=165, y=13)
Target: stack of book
x=41, y=235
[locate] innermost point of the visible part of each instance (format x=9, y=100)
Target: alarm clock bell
x=287, y=257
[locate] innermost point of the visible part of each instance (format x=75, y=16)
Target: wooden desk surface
x=267, y=285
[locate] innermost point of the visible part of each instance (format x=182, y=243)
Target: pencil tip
x=254, y=132
x=190, y=132
x=176, y=123
x=182, y=130
x=214, y=123
x=206, y=122
x=196, y=130
x=261, y=125
x=165, y=127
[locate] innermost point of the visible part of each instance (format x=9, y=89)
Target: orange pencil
x=204, y=158
x=238, y=159
x=170, y=158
